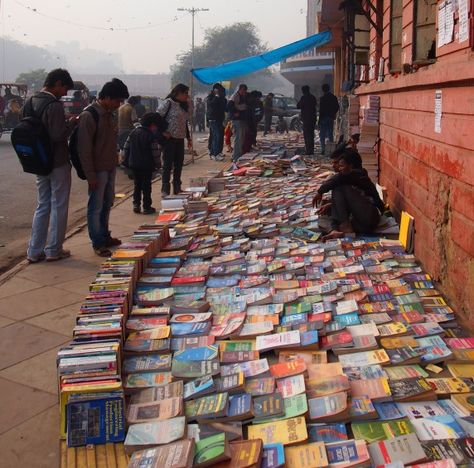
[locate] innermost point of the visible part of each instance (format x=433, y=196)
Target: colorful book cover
x=273, y=456
x=327, y=433
x=437, y=428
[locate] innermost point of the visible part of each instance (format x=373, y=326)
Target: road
x=18, y=203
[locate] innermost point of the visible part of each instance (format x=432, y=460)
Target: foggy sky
x=150, y=50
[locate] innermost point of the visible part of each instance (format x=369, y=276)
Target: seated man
x=355, y=205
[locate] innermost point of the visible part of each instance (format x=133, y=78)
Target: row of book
x=246, y=342
x=369, y=131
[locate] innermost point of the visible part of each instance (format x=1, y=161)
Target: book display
x=227, y=335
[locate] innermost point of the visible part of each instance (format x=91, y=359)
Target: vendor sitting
x=355, y=205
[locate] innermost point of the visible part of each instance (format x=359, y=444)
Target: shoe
x=136, y=209
x=37, y=259
x=220, y=157
x=211, y=156
x=62, y=254
x=102, y=251
x=112, y=242
x=234, y=167
x=150, y=210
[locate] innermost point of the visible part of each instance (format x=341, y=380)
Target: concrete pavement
x=38, y=306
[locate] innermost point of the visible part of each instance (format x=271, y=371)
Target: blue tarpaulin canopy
x=248, y=65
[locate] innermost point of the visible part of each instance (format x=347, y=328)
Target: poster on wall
x=445, y=23
x=438, y=110
x=463, y=34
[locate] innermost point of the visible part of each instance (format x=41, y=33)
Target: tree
x=221, y=44
x=33, y=78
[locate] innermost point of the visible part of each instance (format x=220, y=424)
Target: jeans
x=267, y=123
x=142, y=185
x=100, y=203
x=326, y=128
x=239, y=128
x=51, y=212
x=173, y=159
x=217, y=137
x=351, y=204
x=308, y=135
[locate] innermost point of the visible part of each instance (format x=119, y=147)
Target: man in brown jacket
x=97, y=148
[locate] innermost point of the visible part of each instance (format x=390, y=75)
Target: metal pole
x=193, y=12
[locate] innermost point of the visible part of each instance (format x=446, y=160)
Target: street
x=18, y=203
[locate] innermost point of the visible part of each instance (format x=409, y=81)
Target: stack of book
x=369, y=131
x=250, y=343
x=353, y=111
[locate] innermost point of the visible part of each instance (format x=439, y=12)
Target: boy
x=355, y=204
x=97, y=148
x=142, y=155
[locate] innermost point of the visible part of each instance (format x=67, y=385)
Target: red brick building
x=406, y=51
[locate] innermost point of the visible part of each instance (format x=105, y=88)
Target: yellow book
x=158, y=333
x=307, y=455
x=287, y=432
x=465, y=355
x=68, y=390
x=448, y=385
x=461, y=370
x=407, y=232
x=464, y=400
x=398, y=342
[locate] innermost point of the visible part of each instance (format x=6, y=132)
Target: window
x=396, y=13
x=424, y=44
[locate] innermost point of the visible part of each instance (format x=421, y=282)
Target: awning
x=242, y=67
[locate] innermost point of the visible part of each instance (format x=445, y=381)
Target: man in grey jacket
x=97, y=148
x=50, y=219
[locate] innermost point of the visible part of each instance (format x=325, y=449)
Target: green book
x=376, y=431
x=294, y=406
x=300, y=308
x=211, y=450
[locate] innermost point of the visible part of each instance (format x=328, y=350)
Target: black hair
x=115, y=89
x=179, y=88
x=217, y=86
x=355, y=137
x=337, y=153
x=58, y=74
x=352, y=158
x=133, y=100
x=326, y=87
x=242, y=86
x=152, y=118
x=256, y=94
x=305, y=89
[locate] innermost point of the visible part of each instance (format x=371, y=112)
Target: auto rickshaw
x=76, y=99
x=12, y=98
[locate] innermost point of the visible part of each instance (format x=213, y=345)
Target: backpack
x=75, y=160
x=30, y=139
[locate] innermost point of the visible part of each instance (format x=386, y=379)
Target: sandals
x=103, y=252
x=37, y=259
x=62, y=254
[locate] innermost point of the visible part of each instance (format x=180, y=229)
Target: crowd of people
x=148, y=138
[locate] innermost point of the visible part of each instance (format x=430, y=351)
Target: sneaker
x=220, y=157
x=37, y=259
x=62, y=254
x=136, y=209
x=112, y=242
x=211, y=156
x=150, y=210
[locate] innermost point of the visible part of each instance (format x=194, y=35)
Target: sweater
x=176, y=117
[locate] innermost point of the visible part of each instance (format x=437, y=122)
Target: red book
x=188, y=280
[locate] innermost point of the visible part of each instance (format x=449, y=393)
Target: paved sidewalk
x=38, y=306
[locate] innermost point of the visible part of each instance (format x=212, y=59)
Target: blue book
x=95, y=421
x=273, y=456
x=343, y=451
x=348, y=319
x=294, y=319
x=388, y=411
x=227, y=282
x=327, y=433
x=381, y=297
x=185, y=329
x=240, y=406
x=203, y=353
x=165, y=260
x=309, y=338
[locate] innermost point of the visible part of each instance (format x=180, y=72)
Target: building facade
x=420, y=62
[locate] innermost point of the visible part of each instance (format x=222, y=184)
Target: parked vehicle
x=12, y=98
x=76, y=99
x=286, y=106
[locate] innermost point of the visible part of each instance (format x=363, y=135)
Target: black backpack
x=31, y=141
x=75, y=160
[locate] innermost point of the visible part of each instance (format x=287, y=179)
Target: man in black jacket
x=216, y=107
x=308, y=104
x=328, y=109
x=355, y=205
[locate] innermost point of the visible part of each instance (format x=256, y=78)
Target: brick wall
x=429, y=174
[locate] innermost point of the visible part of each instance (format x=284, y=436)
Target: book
x=145, y=380
x=207, y=407
x=378, y=390
x=148, y=435
x=268, y=406
x=278, y=340
x=273, y=456
x=147, y=363
x=413, y=389
x=148, y=395
x=330, y=408
x=178, y=454
x=212, y=450
x=347, y=453
x=375, y=431
x=306, y=455
x=405, y=448
x=287, y=432
x=291, y=386
x=246, y=453
x=198, y=387
x=327, y=433
x=437, y=428
x=154, y=411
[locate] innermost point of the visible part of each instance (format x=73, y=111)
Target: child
x=228, y=136
x=282, y=126
x=142, y=154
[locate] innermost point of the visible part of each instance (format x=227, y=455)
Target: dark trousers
x=308, y=135
x=200, y=122
x=267, y=123
x=142, y=186
x=351, y=204
x=326, y=130
x=250, y=138
x=173, y=158
x=216, y=137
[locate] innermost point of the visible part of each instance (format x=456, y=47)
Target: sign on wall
x=463, y=34
x=438, y=110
